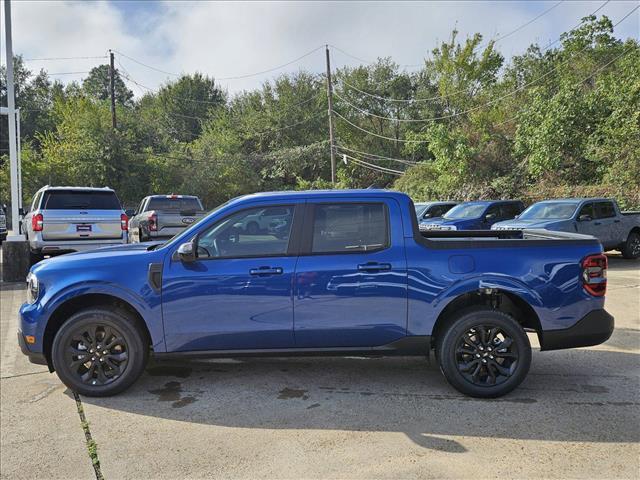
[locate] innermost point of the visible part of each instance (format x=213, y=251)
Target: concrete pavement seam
x=92, y=446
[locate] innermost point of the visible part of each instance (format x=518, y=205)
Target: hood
x=445, y=221
x=526, y=224
x=106, y=256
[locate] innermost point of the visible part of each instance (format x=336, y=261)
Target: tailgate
x=81, y=225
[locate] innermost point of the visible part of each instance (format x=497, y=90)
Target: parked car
x=600, y=217
x=478, y=215
x=73, y=219
x=163, y=216
x=266, y=220
x=353, y=276
x=429, y=210
x=3, y=223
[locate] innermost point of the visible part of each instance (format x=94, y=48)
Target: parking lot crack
x=92, y=446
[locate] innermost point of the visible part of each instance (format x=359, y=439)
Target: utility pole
x=332, y=143
x=112, y=88
x=11, y=119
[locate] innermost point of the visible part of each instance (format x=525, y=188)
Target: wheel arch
x=499, y=299
x=77, y=303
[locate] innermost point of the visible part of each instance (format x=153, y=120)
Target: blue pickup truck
x=479, y=215
x=349, y=273
x=600, y=217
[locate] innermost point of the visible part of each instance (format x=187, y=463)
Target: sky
x=233, y=39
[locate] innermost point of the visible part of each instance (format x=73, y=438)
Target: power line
x=62, y=58
x=381, y=157
x=236, y=77
x=66, y=73
x=373, y=166
x=475, y=108
x=454, y=93
x=506, y=35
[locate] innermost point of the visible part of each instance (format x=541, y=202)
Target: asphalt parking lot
x=575, y=416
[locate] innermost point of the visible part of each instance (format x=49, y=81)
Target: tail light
x=594, y=274
x=37, y=221
x=124, y=222
x=152, y=220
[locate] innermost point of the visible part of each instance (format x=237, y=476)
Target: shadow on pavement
x=564, y=393
x=617, y=263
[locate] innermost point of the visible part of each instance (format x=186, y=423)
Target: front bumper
x=34, y=357
x=593, y=329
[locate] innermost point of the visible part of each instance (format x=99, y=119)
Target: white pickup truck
x=71, y=219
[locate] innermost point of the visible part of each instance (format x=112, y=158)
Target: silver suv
x=70, y=219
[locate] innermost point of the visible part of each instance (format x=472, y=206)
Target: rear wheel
x=99, y=352
x=484, y=353
x=631, y=248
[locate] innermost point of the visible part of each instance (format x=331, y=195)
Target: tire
x=253, y=228
x=631, y=248
x=479, y=367
x=108, y=374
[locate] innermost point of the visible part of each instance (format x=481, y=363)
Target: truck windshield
x=550, y=210
x=465, y=211
x=80, y=200
x=174, y=204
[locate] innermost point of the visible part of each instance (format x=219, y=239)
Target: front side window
x=238, y=236
x=510, y=210
x=586, y=210
x=350, y=227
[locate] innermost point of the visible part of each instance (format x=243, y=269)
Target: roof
x=96, y=189
x=488, y=202
x=573, y=200
x=369, y=192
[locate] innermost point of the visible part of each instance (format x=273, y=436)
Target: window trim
x=293, y=245
x=306, y=247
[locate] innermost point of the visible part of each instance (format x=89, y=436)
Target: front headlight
x=33, y=288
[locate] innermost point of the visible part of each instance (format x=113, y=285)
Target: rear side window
x=605, y=210
x=80, y=200
x=350, y=227
x=174, y=204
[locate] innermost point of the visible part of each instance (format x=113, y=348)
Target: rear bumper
x=593, y=329
x=34, y=357
x=45, y=247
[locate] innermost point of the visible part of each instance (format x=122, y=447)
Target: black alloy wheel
x=483, y=352
x=99, y=351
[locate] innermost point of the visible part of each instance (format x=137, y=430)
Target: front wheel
x=631, y=248
x=484, y=353
x=99, y=352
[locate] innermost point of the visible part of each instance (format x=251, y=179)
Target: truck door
x=586, y=219
x=237, y=294
x=351, y=277
x=608, y=226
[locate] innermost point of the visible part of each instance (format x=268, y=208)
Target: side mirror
x=21, y=211
x=584, y=218
x=489, y=217
x=426, y=215
x=187, y=252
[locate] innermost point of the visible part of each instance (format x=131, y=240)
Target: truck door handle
x=266, y=271
x=616, y=221
x=373, y=267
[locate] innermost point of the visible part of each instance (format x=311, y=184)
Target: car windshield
x=549, y=210
x=470, y=210
x=420, y=208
